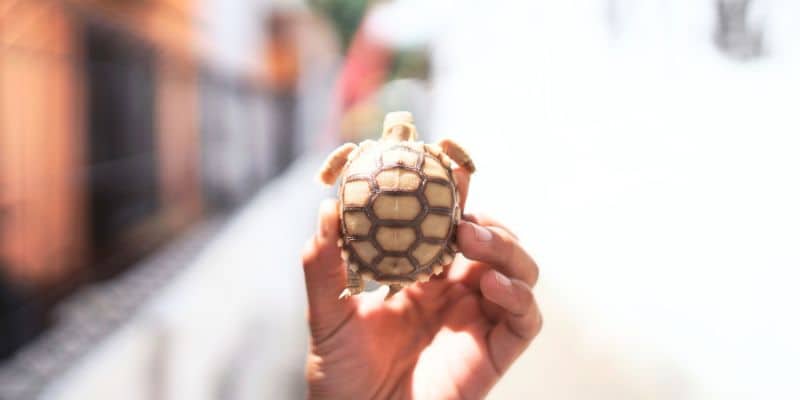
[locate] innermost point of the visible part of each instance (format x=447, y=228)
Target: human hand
x=450, y=338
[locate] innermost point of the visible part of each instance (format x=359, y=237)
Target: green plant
x=346, y=16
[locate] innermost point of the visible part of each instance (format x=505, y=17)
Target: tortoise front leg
x=457, y=154
x=355, y=284
x=333, y=166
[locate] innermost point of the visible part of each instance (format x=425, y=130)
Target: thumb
x=325, y=275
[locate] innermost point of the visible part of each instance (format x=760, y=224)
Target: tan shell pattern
x=399, y=211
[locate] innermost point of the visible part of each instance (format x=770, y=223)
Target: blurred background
x=156, y=184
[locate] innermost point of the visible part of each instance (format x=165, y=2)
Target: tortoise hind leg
x=355, y=284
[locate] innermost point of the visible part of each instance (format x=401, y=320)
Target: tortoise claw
x=348, y=292
x=393, y=289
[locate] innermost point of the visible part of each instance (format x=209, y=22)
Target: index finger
x=495, y=246
x=485, y=220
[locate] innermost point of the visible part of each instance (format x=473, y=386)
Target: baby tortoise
x=398, y=204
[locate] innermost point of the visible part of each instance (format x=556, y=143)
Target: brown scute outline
x=447, y=244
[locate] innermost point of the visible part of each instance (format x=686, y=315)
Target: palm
x=428, y=341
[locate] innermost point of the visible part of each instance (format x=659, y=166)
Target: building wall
x=41, y=143
x=169, y=26
x=43, y=129
x=177, y=111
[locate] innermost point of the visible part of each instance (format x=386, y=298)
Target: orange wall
x=169, y=24
x=41, y=143
x=42, y=132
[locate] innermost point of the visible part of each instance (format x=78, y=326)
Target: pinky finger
x=522, y=322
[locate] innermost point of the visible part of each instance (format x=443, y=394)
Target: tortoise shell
x=399, y=210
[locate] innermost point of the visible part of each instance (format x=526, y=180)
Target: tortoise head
x=399, y=126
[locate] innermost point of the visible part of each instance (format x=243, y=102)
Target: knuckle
x=534, y=273
x=524, y=328
x=533, y=327
x=523, y=299
x=524, y=264
x=504, y=247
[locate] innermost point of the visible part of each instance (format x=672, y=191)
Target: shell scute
x=356, y=193
x=398, y=179
x=395, y=239
x=400, y=155
x=357, y=223
x=439, y=195
x=394, y=207
x=435, y=226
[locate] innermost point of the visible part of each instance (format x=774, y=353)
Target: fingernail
x=502, y=280
x=481, y=233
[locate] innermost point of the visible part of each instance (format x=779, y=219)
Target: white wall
x=651, y=176
x=232, y=323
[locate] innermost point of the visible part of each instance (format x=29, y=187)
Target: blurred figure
x=364, y=71
x=380, y=76
x=735, y=34
x=282, y=72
